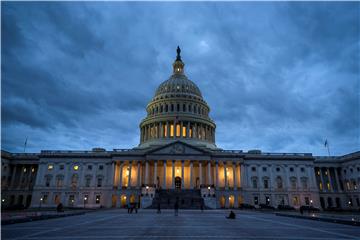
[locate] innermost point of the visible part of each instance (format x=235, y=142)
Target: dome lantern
x=178, y=65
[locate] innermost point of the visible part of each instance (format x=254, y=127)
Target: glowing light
x=24, y=170
x=147, y=187
x=76, y=167
x=209, y=187
x=41, y=199
x=50, y=167
x=85, y=198
x=311, y=201
x=3, y=200
x=33, y=170
x=177, y=170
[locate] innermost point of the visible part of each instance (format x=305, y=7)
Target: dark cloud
x=277, y=76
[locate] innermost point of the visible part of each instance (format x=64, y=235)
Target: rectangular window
x=256, y=200
x=320, y=186
x=165, y=131
x=61, y=167
x=328, y=186
x=71, y=200
x=266, y=184
x=99, y=182
x=88, y=181
x=295, y=201
x=44, y=199
x=178, y=130
x=97, y=199
x=89, y=167
x=184, y=131
x=171, y=130
x=101, y=167
x=267, y=200
x=190, y=132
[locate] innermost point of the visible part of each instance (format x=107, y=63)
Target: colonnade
x=328, y=180
x=178, y=129
x=164, y=174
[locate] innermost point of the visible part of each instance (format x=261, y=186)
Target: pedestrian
x=231, y=215
x=129, y=207
x=158, y=207
x=176, y=206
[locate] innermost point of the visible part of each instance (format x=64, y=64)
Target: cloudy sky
x=280, y=77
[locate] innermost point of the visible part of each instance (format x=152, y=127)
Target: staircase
x=188, y=199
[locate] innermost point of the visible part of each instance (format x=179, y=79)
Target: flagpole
x=25, y=144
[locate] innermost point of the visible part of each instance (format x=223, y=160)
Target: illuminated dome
x=177, y=112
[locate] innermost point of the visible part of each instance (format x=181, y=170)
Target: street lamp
x=41, y=199
x=85, y=198
x=311, y=201
x=209, y=190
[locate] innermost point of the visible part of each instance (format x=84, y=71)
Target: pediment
x=177, y=148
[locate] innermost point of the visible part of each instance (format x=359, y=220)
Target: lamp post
x=209, y=191
x=85, y=198
x=147, y=190
x=41, y=199
x=311, y=202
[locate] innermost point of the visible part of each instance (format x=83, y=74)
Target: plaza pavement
x=190, y=224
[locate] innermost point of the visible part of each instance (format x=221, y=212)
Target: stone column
x=225, y=176
x=167, y=129
x=181, y=129
x=13, y=176
x=234, y=175
x=129, y=177
x=161, y=130
x=191, y=175
x=120, y=174
x=147, y=172
x=200, y=174
x=322, y=180
x=337, y=180
x=164, y=182
x=112, y=174
x=173, y=175
x=21, y=176
x=330, y=180
x=138, y=174
x=217, y=174
x=182, y=174
x=155, y=174
x=188, y=130
x=209, y=173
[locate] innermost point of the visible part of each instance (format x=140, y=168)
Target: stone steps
x=188, y=199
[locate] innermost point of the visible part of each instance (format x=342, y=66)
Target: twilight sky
x=280, y=77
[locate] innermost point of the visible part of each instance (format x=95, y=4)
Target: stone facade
x=177, y=150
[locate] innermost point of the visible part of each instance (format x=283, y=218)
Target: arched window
x=99, y=181
x=48, y=180
x=279, y=182
x=304, y=182
x=59, y=180
x=74, y=180
x=161, y=108
x=88, y=180
x=184, y=108
x=293, y=182
x=166, y=108
x=172, y=107
x=189, y=108
x=178, y=107
x=254, y=182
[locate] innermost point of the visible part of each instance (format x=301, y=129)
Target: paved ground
x=117, y=224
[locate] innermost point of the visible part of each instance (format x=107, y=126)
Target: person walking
x=129, y=207
x=176, y=207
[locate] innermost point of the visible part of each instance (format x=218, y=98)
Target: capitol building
x=177, y=157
